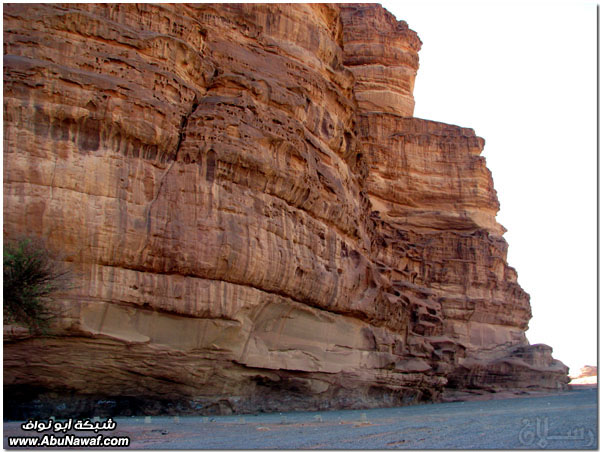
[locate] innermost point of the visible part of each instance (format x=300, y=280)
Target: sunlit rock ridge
x=253, y=218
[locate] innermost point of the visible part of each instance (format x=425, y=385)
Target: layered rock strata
x=254, y=219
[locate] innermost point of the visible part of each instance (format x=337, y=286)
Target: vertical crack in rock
x=180, y=139
x=183, y=126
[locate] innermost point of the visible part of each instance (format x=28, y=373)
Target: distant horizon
x=503, y=70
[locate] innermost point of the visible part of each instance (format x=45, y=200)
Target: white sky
x=523, y=75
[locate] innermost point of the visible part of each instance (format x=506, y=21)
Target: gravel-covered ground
x=563, y=421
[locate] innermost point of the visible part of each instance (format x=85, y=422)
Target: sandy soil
x=565, y=420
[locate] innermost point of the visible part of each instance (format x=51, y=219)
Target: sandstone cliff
x=255, y=219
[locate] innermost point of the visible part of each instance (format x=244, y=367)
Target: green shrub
x=31, y=277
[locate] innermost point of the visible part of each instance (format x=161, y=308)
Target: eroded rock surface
x=254, y=218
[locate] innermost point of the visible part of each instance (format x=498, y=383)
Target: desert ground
x=560, y=421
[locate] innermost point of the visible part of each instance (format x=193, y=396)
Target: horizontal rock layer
x=253, y=218
x=382, y=53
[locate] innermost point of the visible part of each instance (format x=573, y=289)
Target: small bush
x=30, y=280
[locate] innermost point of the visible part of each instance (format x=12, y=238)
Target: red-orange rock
x=382, y=53
x=254, y=219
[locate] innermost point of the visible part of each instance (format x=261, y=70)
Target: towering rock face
x=438, y=241
x=382, y=53
x=253, y=218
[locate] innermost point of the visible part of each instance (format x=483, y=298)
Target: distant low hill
x=586, y=375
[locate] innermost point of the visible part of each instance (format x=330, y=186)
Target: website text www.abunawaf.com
x=68, y=441
x=54, y=439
